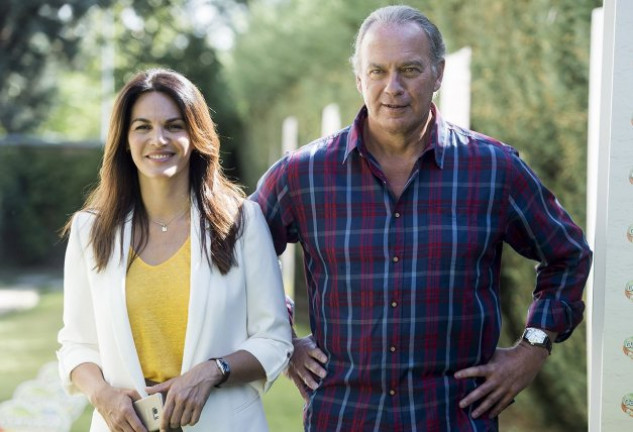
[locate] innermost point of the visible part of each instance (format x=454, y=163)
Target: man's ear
x=359, y=85
x=439, y=74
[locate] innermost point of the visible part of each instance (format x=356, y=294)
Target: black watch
x=225, y=370
x=537, y=337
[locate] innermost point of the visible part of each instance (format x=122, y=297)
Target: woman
x=171, y=282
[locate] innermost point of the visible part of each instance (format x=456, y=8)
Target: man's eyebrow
x=413, y=63
x=404, y=64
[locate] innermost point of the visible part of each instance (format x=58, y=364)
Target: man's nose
x=394, y=84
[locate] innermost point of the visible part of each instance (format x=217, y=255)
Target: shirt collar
x=355, y=135
x=437, y=142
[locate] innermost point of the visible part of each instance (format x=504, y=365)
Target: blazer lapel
x=116, y=274
x=199, y=284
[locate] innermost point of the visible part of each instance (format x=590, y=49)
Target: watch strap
x=225, y=370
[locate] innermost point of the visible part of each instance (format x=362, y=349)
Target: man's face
x=396, y=78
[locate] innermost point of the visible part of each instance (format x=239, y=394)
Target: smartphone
x=150, y=411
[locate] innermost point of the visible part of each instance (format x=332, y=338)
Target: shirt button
x=394, y=304
x=397, y=214
x=392, y=392
x=392, y=349
x=395, y=259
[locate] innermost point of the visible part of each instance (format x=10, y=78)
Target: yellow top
x=158, y=305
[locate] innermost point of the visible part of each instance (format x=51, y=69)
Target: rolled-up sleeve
x=539, y=228
x=269, y=334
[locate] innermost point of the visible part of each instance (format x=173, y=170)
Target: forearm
x=113, y=404
x=88, y=378
x=244, y=368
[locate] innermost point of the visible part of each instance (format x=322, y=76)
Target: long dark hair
x=117, y=193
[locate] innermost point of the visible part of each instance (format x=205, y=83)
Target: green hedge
x=41, y=185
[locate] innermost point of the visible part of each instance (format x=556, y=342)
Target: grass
x=28, y=341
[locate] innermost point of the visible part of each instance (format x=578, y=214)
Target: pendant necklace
x=164, y=225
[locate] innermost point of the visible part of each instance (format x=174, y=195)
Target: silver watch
x=537, y=337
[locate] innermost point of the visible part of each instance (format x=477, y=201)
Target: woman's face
x=158, y=139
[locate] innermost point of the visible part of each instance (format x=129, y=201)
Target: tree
x=35, y=37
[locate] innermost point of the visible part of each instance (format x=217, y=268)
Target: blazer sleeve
x=269, y=334
x=78, y=336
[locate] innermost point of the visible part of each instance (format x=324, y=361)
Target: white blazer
x=242, y=310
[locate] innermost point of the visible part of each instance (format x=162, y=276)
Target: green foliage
x=75, y=114
x=40, y=187
x=36, y=37
x=529, y=89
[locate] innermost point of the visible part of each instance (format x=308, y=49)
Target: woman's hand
x=187, y=394
x=114, y=404
x=116, y=407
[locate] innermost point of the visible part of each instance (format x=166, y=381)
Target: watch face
x=535, y=335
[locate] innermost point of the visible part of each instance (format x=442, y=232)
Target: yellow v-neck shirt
x=158, y=303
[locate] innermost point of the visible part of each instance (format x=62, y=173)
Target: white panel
x=289, y=134
x=330, y=119
x=289, y=140
x=455, y=91
x=614, y=222
x=595, y=295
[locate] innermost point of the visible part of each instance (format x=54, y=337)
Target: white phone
x=150, y=411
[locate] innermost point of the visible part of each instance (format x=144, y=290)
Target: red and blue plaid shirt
x=404, y=292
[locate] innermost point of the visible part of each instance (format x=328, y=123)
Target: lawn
x=28, y=341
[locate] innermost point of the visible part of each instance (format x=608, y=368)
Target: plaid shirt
x=404, y=292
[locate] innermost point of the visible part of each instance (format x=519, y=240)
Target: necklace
x=164, y=225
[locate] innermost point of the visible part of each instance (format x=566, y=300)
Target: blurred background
x=258, y=62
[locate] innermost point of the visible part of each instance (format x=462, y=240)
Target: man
x=402, y=218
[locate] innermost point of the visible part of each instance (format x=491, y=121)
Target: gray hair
x=401, y=15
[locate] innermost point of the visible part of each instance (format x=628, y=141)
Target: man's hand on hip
x=306, y=365
x=509, y=371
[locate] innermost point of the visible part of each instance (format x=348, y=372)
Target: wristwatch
x=537, y=337
x=225, y=370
